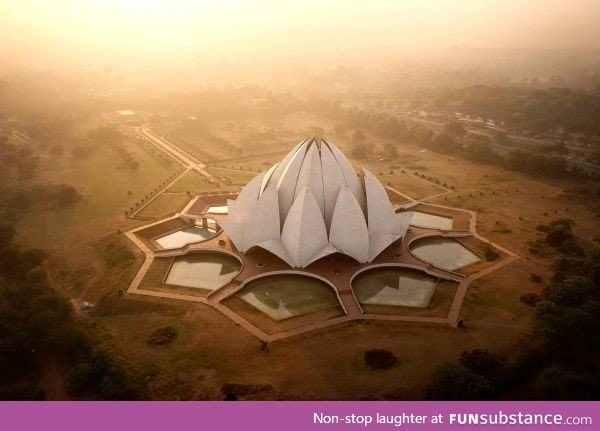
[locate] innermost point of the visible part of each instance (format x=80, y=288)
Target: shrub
x=536, y=278
x=162, y=336
x=490, y=253
x=380, y=359
x=530, y=299
x=572, y=292
x=238, y=389
x=571, y=247
x=35, y=275
x=455, y=382
x=481, y=361
x=7, y=233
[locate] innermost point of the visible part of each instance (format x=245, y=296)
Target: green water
x=394, y=286
x=288, y=295
x=206, y=270
x=445, y=253
x=430, y=221
x=189, y=235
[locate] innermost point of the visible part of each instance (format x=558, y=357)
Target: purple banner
x=298, y=416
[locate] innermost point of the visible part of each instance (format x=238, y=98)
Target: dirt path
x=98, y=269
x=52, y=379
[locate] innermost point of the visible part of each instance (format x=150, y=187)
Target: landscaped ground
x=236, y=176
x=192, y=182
x=106, y=193
x=164, y=205
x=416, y=188
x=211, y=350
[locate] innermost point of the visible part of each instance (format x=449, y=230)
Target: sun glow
x=190, y=30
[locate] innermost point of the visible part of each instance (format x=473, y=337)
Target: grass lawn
x=252, y=162
x=192, y=182
x=105, y=189
x=416, y=188
x=200, y=145
x=238, y=178
x=164, y=205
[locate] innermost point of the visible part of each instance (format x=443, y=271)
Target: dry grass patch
x=165, y=204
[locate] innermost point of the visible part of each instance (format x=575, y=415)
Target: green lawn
x=199, y=145
x=193, y=182
x=164, y=205
x=416, y=188
x=238, y=178
x=105, y=189
x=260, y=162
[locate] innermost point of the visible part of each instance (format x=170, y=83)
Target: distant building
x=127, y=116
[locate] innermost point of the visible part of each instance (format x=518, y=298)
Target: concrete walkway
x=185, y=159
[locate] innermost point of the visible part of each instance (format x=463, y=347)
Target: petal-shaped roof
x=313, y=204
x=304, y=234
x=265, y=216
x=349, y=232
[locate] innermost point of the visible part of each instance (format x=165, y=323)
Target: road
x=174, y=151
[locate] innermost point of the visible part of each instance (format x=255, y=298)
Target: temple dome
x=312, y=204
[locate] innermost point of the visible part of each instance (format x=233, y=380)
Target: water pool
x=218, y=209
x=394, y=286
x=186, y=236
x=288, y=295
x=445, y=253
x=430, y=221
x=205, y=270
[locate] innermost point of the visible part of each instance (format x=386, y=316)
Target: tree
x=572, y=292
x=562, y=384
x=359, y=150
x=515, y=159
x=422, y=135
x=481, y=361
x=559, y=231
x=31, y=257
x=35, y=275
x=444, y=143
x=7, y=233
x=67, y=196
x=379, y=358
x=501, y=138
x=555, y=165
x=391, y=151
x=455, y=382
x=455, y=128
x=358, y=136
x=9, y=259
x=481, y=151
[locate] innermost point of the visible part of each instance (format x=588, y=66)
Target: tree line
x=562, y=360
x=38, y=324
x=453, y=139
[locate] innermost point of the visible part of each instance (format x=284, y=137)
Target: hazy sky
x=84, y=31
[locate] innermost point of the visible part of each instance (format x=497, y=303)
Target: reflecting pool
x=204, y=270
x=394, y=286
x=445, y=253
x=288, y=295
x=430, y=221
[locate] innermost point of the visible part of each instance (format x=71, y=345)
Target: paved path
x=188, y=162
x=184, y=158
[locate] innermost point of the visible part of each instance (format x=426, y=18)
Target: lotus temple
x=314, y=242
